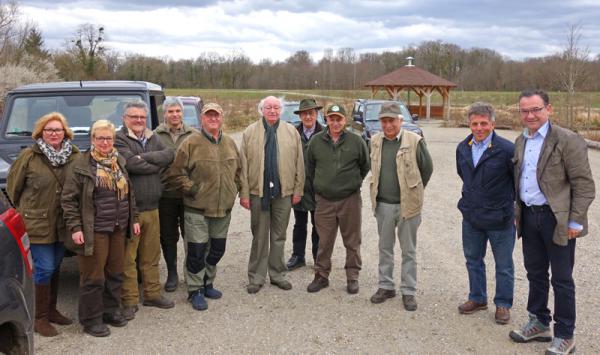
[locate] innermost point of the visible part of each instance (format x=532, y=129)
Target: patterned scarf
x=108, y=172
x=56, y=158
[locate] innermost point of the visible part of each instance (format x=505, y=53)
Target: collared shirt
x=478, y=148
x=529, y=190
x=395, y=139
x=308, y=132
x=175, y=133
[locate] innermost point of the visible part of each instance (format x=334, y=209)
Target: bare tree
x=89, y=48
x=573, y=72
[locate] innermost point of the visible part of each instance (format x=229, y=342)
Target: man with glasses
x=554, y=188
x=272, y=180
x=146, y=157
x=308, y=127
x=172, y=132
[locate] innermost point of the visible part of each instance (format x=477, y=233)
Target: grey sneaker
x=533, y=330
x=561, y=346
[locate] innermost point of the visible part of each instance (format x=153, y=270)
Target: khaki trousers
x=345, y=214
x=268, y=239
x=101, y=277
x=145, y=250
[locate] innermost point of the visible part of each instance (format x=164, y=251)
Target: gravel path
x=331, y=321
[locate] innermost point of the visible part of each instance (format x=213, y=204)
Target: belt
x=538, y=209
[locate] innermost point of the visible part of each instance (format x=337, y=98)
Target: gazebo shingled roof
x=422, y=82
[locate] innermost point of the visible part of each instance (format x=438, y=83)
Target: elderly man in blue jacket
x=484, y=164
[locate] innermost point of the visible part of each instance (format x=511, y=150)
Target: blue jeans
x=474, y=247
x=46, y=260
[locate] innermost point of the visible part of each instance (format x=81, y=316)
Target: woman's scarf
x=56, y=158
x=108, y=172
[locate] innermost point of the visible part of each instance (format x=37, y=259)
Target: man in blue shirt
x=483, y=162
x=554, y=188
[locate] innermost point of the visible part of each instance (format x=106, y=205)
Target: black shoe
x=295, y=262
x=352, y=287
x=115, y=319
x=97, y=330
x=172, y=282
x=128, y=312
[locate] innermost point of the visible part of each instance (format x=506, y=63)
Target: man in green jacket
x=338, y=161
x=171, y=133
x=207, y=171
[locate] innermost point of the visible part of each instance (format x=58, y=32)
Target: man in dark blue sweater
x=483, y=162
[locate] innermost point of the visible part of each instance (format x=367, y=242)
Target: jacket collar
x=164, y=128
x=128, y=132
x=300, y=128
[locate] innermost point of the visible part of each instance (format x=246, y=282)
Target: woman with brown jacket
x=35, y=183
x=99, y=210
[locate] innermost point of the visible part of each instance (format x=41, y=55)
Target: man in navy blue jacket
x=483, y=162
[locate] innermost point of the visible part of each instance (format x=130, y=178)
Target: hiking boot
x=128, y=312
x=161, y=302
x=283, y=284
x=561, y=346
x=502, y=315
x=295, y=262
x=97, y=330
x=115, y=319
x=197, y=300
x=533, y=330
x=172, y=281
x=382, y=294
x=253, y=288
x=410, y=302
x=317, y=284
x=352, y=286
x=471, y=307
x=212, y=293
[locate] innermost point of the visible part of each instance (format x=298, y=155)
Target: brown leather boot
x=42, y=304
x=54, y=316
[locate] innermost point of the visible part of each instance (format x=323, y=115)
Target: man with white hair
x=272, y=180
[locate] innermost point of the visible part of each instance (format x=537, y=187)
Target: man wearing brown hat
x=206, y=170
x=338, y=161
x=308, y=127
x=401, y=167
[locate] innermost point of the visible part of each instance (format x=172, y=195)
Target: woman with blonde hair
x=35, y=183
x=100, y=213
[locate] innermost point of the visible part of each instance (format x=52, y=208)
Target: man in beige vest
x=401, y=167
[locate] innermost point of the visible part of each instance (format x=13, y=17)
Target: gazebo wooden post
x=428, y=93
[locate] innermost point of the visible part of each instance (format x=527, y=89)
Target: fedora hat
x=307, y=104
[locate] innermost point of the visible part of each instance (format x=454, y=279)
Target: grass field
x=240, y=105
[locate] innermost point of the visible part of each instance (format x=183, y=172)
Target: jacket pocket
x=36, y=222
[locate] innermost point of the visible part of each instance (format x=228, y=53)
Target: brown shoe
x=352, y=287
x=502, y=315
x=470, y=307
x=160, y=302
x=409, y=302
x=382, y=295
x=42, y=304
x=317, y=284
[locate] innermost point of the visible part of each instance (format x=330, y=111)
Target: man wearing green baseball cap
x=338, y=161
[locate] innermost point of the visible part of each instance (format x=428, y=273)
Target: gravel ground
x=332, y=321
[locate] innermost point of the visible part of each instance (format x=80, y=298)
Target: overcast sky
x=276, y=29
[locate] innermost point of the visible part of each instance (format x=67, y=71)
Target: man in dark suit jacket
x=554, y=187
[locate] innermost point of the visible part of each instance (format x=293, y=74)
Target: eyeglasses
x=53, y=130
x=535, y=110
x=104, y=139
x=276, y=108
x=136, y=118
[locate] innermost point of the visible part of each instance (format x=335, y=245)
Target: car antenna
x=80, y=83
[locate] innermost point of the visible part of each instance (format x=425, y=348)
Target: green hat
x=390, y=109
x=307, y=104
x=212, y=107
x=336, y=109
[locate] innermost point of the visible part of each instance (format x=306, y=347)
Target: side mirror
x=415, y=117
x=357, y=117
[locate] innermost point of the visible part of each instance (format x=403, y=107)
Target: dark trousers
x=300, y=230
x=101, y=277
x=540, y=253
x=170, y=213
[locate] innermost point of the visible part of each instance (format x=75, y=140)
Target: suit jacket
x=565, y=178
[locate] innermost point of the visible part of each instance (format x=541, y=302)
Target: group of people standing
x=135, y=191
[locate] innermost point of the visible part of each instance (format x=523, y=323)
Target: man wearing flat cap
x=401, y=167
x=206, y=170
x=338, y=161
x=308, y=127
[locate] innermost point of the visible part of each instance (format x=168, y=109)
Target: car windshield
x=190, y=115
x=79, y=110
x=372, y=112
x=289, y=115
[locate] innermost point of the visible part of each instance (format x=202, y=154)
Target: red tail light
x=13, y=221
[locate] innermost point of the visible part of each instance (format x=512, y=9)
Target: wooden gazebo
x=422, y=82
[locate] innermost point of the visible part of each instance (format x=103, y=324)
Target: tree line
x=85, y=56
